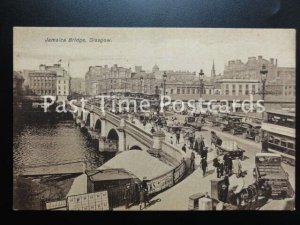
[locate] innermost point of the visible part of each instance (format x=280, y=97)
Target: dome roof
x=155, y=68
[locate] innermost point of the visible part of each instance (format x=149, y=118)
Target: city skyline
x=192, y=50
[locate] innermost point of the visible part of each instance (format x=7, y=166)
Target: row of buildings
x=239, y=78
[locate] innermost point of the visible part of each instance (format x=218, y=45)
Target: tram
x=279, y=129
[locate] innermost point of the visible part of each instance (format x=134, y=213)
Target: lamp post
x=141, y=79
x=264, y=73
x=164, y=80
x=201, y=77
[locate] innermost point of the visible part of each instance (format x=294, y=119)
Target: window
x=198, y=90
x=64, y=82
x=193, y=90
x=64, y=93
x=290, y=145
x=283, y=143
x=59, y=92
x=65, y=87
x=59, y=81
x=183, y=90
x=188, y=90
x=171, y=91
x=240, y=89
x=178, y=90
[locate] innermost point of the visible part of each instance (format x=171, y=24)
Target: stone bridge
x=117, y=133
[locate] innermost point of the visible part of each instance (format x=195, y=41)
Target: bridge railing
x=172, y=151
x=168, y=179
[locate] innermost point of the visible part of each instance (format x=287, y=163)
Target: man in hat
x=223, y=193
x=152, y=130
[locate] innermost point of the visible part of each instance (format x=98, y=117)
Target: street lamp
x=165, y=79
x=201, y=77
x=264, y=73
x=141, y=79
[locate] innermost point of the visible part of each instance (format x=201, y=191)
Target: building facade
x=49, y=80
x=239, y=86
x=94, y=77
x=120, y=80
x=18, y=81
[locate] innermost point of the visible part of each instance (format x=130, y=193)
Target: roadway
x=176, y=198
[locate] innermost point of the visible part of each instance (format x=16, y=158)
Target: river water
x=53, y=142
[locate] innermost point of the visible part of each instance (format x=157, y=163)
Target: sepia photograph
x=154, y=119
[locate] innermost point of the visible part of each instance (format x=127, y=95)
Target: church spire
x=213, y=72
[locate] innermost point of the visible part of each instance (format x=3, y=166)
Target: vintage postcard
x=153, y=119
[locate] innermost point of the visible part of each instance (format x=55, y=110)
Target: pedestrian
x=191, y=139
x=236, y=167
x=203, y=165
x=142, y=198
x=177, y=136
x=192, y=158
x=202, y=144
x=216, y=164
x=136, y=192
x=145, y=187
x=184, y=148
x=127, y=196
x=152, y=130
x=223, y=193
x=220, y=169
x=204, y=153
x=144, y=123
x=197, y=145
x=171, y=140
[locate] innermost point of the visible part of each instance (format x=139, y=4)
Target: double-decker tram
x=279, y=128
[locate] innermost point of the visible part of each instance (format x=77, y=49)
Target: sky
x=170, y=48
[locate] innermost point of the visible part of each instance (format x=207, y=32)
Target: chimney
x=272, y=60
x=276, y=62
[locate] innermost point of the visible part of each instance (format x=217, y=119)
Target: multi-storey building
x=18, y=81
x=121, y=80
x=49, y=80
x=239, y=86
x=94, y=78
x=42, y=82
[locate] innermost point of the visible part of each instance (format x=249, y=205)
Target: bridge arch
x=113, y=135
x=88, y=119
x=135, y=147
x=98, y=126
